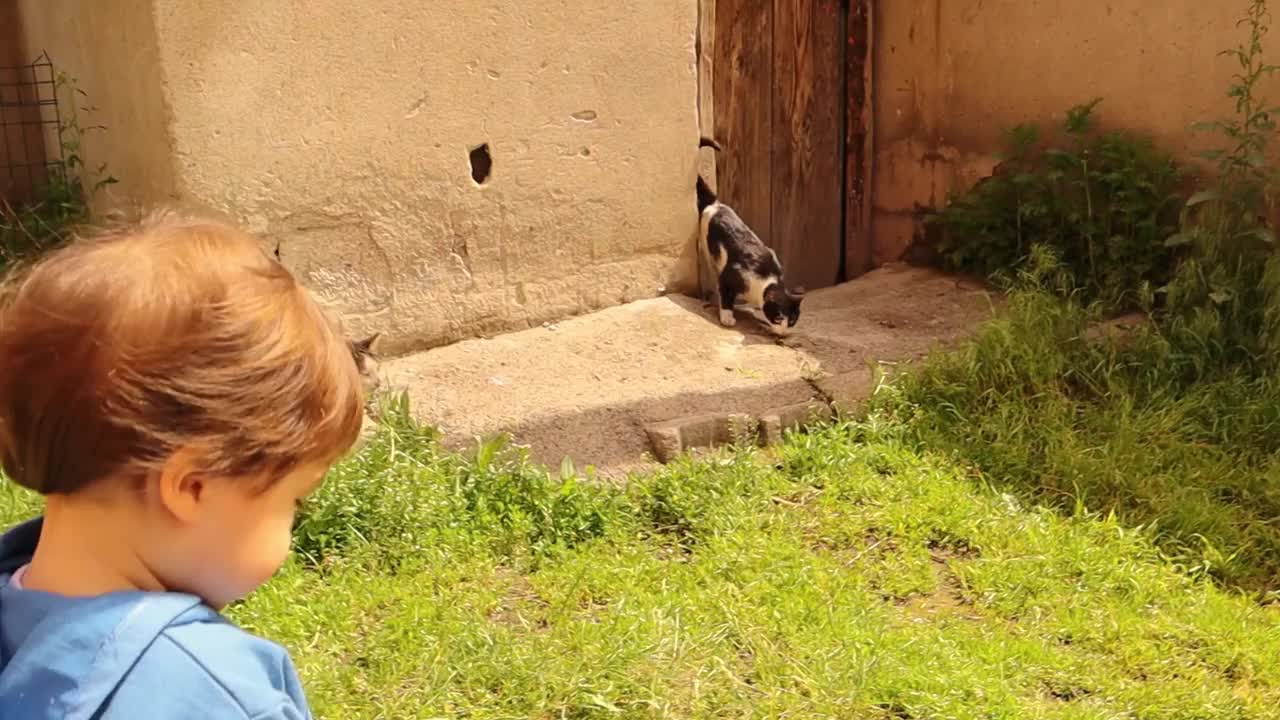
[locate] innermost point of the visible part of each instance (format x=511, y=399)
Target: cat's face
x=362, y=351
x=782, y=308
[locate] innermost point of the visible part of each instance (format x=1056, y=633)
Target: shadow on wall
x=611, y=436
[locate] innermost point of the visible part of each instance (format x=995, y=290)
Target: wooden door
x=782, y=114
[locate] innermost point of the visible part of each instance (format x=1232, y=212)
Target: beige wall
x=950, y=75
x=109, y=47
x=340, y=131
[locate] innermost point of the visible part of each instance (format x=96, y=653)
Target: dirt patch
x=947, y=599
x=517, y=606
x=893, y=316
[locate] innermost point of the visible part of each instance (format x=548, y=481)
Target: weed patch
x=1175, y=428
x=402, y=494
x=1104, y=203
x=1223, y=306
x=969, y=602
x=1042, y=411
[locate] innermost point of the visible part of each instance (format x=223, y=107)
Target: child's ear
x=179, y=486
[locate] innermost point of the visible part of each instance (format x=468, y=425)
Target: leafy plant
x=1104, y=203
x=1224, y=303
x=63, y=202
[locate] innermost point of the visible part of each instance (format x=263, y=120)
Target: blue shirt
x=131, y=655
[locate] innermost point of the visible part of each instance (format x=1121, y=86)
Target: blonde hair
x=119, y=349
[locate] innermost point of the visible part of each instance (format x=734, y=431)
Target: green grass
x=16, y=504
x=851, y=574
x=1132, y=427
x=893, y=567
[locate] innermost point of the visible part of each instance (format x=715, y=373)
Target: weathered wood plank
x=807, y=227
x=743, y=80
x=706, y=84
x=859, y=137
x=706, y=124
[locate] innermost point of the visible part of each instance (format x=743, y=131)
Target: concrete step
x=619, y=388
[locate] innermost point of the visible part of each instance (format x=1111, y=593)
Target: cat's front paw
x=727, y=319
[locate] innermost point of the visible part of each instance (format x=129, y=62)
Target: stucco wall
x=341, y=131
x=950, y=76
x=343, y=135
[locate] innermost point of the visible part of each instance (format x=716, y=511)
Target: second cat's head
x=782, y=307
x=363, y=352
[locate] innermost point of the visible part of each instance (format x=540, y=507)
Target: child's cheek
x=275, y=538
x=259, y=554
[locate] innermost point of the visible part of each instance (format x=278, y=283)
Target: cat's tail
x=706, y=196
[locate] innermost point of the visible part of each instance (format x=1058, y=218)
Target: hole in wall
x=481, y=163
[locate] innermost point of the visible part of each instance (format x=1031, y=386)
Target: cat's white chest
x=754, y=294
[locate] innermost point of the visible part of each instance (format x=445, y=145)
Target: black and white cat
x=747, y=271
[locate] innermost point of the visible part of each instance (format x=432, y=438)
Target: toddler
x=174, y=394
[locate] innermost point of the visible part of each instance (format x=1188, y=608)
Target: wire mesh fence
x=30, y=123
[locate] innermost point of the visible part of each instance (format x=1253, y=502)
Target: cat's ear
x=798, y=291
x=365, y=346
x=772, y=292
